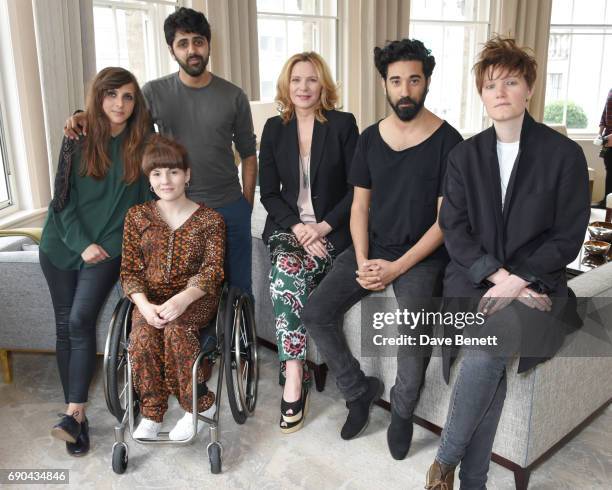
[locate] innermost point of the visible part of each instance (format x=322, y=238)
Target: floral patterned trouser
x=293, y=276
x=161, y=361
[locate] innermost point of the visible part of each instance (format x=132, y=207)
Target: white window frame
x=8, y=206
x=8, y=171
x=440, y=66
x=267, y=15
x=154, y=63
x=584, y=28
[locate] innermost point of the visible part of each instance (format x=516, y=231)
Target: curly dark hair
x=186, y=20
x=404, y=50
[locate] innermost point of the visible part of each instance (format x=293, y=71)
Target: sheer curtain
x=66, y=63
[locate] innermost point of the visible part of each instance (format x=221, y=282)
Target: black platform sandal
x=293, y=413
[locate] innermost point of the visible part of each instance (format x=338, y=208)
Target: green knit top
x=94, y=213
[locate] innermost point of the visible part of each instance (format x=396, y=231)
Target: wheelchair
x=229, y=339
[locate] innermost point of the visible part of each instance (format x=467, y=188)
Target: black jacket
x=333, y=145
x=540, y=230
x=544, y=218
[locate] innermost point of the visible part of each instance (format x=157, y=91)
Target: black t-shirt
x=405, y=186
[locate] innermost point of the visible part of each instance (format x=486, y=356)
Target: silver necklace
x=305, y=173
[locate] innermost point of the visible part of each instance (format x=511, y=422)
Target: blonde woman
x=304, y=161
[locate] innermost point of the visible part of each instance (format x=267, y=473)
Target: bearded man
x=397, y=173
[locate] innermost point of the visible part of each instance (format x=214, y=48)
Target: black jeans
x=322, y=317
x=78, y=296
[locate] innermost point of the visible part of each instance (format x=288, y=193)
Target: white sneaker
x=147, y=429
x=184, y=427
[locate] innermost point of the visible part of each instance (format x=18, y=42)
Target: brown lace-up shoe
x=440, y=477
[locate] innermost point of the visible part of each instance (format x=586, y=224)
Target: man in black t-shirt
x=397, y=171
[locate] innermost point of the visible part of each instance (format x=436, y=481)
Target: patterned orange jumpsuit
x=160, y=263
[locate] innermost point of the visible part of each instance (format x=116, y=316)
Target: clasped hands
x=376, y=274
x=310, y=237
x=507, y=290
x=159, y=315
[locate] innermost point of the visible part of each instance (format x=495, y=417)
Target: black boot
x=81, y=446
x=399, y=436
x=359, y=409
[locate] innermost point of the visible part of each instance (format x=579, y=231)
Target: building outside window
x=286, y=27
x=454, y=31
x=579, y=71
x=554, y=84
x=130, y=34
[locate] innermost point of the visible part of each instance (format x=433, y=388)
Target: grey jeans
x=477, y=400
x=323, y=313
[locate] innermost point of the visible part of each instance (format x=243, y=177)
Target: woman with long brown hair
x=98, y=179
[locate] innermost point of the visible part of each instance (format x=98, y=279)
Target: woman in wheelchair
x=98, y=179
x=172, y=270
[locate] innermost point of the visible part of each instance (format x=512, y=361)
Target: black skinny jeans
x=78, y=296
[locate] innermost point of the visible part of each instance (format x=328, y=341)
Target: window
x=454, y=30
x=286, y=27
x=129, y=33
x=554, y=83
x=579, y=74
x=5, y=189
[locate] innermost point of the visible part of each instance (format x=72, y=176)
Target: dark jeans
x=78, y=296
x=322, y=317
x=475, y=409
x=237, y=217
x=477, y=400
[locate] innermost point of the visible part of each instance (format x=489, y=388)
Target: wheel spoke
x=245, y=369
x=122, y=362
x=123, y=390
x=243, y=337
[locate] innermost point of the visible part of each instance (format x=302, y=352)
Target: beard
x=408, y=113
x=194, y=70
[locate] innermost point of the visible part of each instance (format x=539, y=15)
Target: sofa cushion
x=27, y=316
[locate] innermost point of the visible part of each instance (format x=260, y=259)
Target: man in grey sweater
x=206, y=114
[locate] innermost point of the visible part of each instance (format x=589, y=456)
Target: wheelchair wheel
x=115, y=360
x=214, y=456
x=240, y=352
x=120, y=458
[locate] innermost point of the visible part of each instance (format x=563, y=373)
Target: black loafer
x=81, y=446
x=67, y=429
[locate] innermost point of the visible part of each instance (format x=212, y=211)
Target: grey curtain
x=234, y=45
x=370, y=23
x=528, y=21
